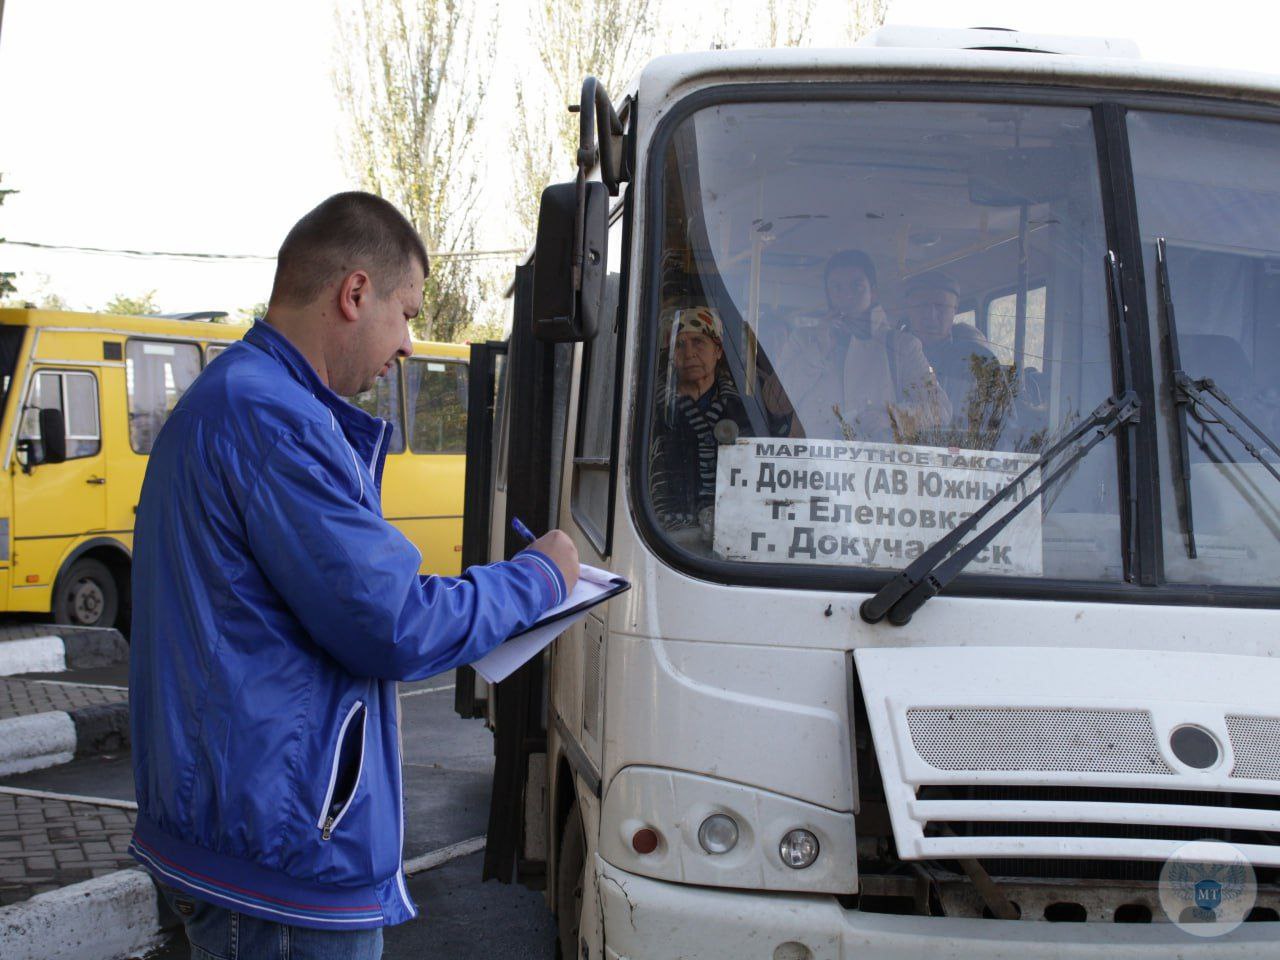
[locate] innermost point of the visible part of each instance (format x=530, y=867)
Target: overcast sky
x=193, y=125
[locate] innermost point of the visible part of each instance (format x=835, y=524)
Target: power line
x=254, y=257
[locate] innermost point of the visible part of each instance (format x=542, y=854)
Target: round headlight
x=718, y=833
x=798, y=849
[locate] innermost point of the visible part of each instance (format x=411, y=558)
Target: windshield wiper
x=1180, y=399
x=929, y=573
x=1188, y=390
x=1199, y=391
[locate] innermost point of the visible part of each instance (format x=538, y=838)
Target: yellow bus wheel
x=86, y=595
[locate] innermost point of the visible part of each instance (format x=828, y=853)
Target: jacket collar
x=365, y=433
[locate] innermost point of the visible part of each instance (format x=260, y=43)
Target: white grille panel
x=591, y=681
x=1256, y=743
x=1036, y=739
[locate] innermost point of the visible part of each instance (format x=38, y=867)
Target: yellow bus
x=83, y=398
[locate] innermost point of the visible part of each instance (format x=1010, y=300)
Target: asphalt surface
x=448, y=773
x=448, y=769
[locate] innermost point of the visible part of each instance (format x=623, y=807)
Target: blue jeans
x=216, y=933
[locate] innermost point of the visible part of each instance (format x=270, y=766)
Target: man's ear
x=354, y=292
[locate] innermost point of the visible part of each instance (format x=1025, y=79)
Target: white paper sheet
x=504, y=659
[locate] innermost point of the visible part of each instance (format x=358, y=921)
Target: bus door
x=56, y=502
x=488, y=361
x=535, y=406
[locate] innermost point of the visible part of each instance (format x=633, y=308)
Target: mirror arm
x=600, y=135
x=599, y=140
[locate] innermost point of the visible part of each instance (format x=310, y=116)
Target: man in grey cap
x=961, y=357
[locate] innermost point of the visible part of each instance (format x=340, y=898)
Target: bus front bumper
x=648, y=919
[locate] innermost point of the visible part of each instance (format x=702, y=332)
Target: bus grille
x=1057, y=822
x=948, y=802
x=1024, y=738
x=1256, y=744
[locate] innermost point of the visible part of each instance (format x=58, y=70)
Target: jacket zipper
x=328, y=819
x=404, y=894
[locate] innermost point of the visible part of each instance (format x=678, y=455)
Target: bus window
x=212, y=350
x=1208, y=186
x=383, y=401
x=1002, y=328
x=437, y=405
x=814, y=257
x=592, y=466
x=156, y=376
x=76, y=395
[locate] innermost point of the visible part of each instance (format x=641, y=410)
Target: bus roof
x=72, y=320
x=989, y=56
x=167, y=327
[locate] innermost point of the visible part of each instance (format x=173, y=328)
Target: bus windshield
x=1210, y=186
x=870, y=317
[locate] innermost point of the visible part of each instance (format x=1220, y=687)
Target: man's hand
x=556, y=545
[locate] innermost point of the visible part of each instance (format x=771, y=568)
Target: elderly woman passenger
x=698, y=394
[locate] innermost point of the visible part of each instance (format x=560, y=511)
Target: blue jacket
x=273, y=610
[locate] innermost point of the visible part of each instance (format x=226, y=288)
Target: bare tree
x=572, y=39
x=791, y=23
x=866, y=15
x=788, y=22
x=406, y=80
x=6, y=276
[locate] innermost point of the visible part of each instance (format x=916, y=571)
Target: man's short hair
x=349, y=231
x=932, y=280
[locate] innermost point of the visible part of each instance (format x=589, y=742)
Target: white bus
x=941, y=275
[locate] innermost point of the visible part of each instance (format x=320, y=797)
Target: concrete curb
x=48, y=648
x=40, y=740
x=106, y=918
x=119, y=915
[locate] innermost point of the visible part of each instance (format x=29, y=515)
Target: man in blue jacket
x=274, y=610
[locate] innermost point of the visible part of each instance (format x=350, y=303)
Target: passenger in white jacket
x=853, y=376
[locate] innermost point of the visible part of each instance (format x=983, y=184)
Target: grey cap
x=931, y=280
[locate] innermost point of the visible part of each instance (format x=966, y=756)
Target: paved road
x=448, y=771
x=448, y=767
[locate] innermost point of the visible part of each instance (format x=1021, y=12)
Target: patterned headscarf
x=703, y=320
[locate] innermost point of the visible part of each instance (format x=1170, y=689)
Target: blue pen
x=522, y=530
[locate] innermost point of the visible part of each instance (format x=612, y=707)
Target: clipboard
x=594, y=587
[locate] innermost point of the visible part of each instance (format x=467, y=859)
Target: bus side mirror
x=568, y=299
x=53, y=436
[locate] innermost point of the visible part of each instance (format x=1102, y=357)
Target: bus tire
x=86, y=595
x=571, y=878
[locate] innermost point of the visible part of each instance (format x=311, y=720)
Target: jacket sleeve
x=352, y=579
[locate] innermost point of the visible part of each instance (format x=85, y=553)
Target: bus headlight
x=798, y=849
x=718, y=833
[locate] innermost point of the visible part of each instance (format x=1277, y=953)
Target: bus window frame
x=63, y=372
x=1122, y=235
x=405, y=406
x=983, y=312
x=221, y=346
x=602, y=540
x=400, y=399
x=128, y=399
